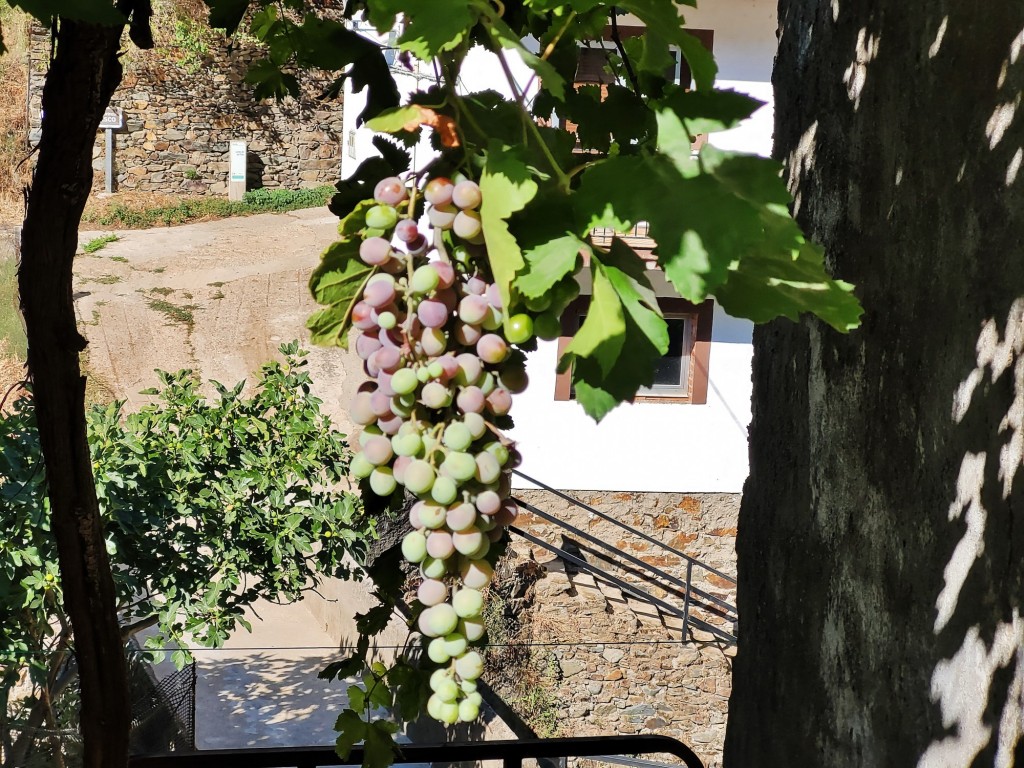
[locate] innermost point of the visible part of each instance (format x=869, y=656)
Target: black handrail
x=625, y=586
x=511, y=753
x=717, y=605
x=632, y=531
x=663, y=575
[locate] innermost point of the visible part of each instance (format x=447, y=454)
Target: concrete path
x=262, y=689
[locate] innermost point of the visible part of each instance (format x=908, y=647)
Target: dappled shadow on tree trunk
x=881, y=571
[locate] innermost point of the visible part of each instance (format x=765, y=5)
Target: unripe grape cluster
x=438, y=352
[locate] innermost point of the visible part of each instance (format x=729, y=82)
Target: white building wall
x=659, y=447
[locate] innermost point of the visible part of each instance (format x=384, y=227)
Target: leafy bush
x=289, y=199
x=208, y=505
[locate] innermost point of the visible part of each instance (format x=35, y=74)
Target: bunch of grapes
x=438, y=350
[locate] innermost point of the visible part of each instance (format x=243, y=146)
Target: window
x=681, y=376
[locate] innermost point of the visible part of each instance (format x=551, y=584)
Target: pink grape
x=406, y=230
x=467, y=225
x=380, y=404
x=390, y=191
x=374, y=251
x=487, y=468
x=494, y=296
x=514, y=458
x=366, y=345
x=432, y=313
x=394, y=266
x=492, y=348
x=476, y=286
x=466, y=542
x=384, y=383
x=476, y=574
x=439, y=191
x=439, y=545
x=363, y=316
x=473, y=309
x=450, y=366
x=445, y=274
x=488, y=502
x=379, y=293
x=460, y=517
x=508, y=513
x=378, y=450
x=431, y=591
x=470, y=400
x=361, y=409
x=389, y=425
x=433, y=341
x=417, y=246
x=432, y=514
x=442, y=216
x=467, y=335
x=438, y=620
x=470, y=368
x=388, y=359
x=467, y=194
x=472, y=629
x=398, y=469
x=499, y=401
x=389, y=337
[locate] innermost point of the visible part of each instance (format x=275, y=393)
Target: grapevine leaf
x=768, y=284
x=374, y=620
x=431, y=26
x=553, y=82
x=396, y=119
x=359, y=186
x=380, y=748
x=709, y=111
x=623, y=334
x=507, y=185
x=339, y=670
x=548, y=263
x=663, y=15
x=355, y=221
x=351, y=730
x=337, y=282
x=412, y=689
x=356, y=698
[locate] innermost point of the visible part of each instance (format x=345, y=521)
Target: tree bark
x=83, y=75
x=880, y=562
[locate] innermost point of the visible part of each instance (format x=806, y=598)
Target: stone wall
x=604, y=662
x=181, y=111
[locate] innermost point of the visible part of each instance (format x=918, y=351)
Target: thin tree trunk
x=83, y=75
x=881, y=567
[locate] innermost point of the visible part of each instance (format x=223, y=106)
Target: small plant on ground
x=180, y=314
x=99, y=243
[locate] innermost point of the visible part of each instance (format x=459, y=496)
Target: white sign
x=113, y=118
x=237, y=166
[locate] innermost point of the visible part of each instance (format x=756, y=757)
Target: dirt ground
x=218, y=297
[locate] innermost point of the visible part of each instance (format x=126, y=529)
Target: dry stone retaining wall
x=180, y=114
x=617, y=665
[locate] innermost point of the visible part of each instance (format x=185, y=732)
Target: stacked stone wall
x=181, y=112
x=603, y=661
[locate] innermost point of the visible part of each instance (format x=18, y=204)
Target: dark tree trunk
x=82, y=77
x=880, y=564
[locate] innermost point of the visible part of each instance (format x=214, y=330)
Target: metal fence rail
x=717, y=606
x=511, y=753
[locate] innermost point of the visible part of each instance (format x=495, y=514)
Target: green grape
x=381, y=217
x=404, y=381
x=437, y=651
x=547, y=326
x=455, y=644
x=414, y=547
x=468, y=711
x=462, y=466
x=406, y=445
x=444, y=490
x=424, y=280
x=469, y=666
x=519, y=329
x=432, y=567
x=498, y=451
x=382, y=481
x=432, y=514
x=457, y=437
x=476, y=424
x=467, y=603
x=468, y=542
x=360, y=466
x=419, y=477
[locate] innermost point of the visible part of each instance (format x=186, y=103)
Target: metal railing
x=690, y=593
x=510, y=753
